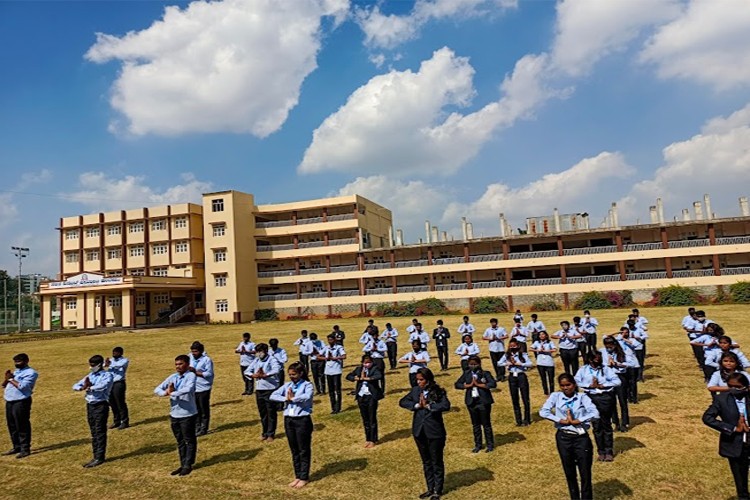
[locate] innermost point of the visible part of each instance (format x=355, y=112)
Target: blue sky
x=437, y=109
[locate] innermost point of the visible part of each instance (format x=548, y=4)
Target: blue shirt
x=416, y=360
x=605, y=375
x=566, y=340
x=333, y=366
x=496, y=336
x=542, y=358
x=376, y=348
x=206, y=365
x=26, y=378
x=717, y=381
x=610, y=359
x=389, y=335
x=713, y=357
x=182, y=400
x=271, y=367
x=522, y=360
x=630, y=345
x=249, y=347
x=280, y=355
x=580, y=405
x=101, y=385
x=465, y=350
x=301, y=404
x=118, y=367
x=520, y=334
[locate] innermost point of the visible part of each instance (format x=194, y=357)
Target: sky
x=436, y=109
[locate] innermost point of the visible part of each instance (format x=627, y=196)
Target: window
x=71, y=304
x=136, y=251
x=220, y=255
x=114, y=253
x=161, y=298
x=71, y=234
x=219, y=229
x=92, y=255
x=222, y=306
x=217, y=205
x=159, y=271
x=140, y=299
x=181, y=247
x=92, y=232
x=136, y=272
x=114, y=301
x=180, y=222
x=114, y=230
x=114, y=274
x=159, y=249
x=71, y=257
x=220, y=279
x=97, y=302
x=318, y=287
x=159, y=225
x=135, y=227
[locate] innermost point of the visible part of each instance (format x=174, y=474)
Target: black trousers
x=443, y=357
x=18, y=417
x=203, y=402
x=547, y=374
x=334, y=391
x=379, y=363
x=305, y=360
x=413, y=379
x=431, y=453
x=299, y=435
x=739, y=468
x=118, y=404
x=464, y=364
x=590, y=342
x=318, y=369
x=708, y=371
x=249, y=383
x=570, y=360
x=268, y=412
x=392, y=354
x=499, y=370
x=582, y=349
x=183, y=429
x=641, y=357
x=603, y=434
x=577, y=455
x=481, y=419
x=520, y=386
x=621, y=400
x=633, y=385
x=368, y=408
x=97, y=415
x=700, y=355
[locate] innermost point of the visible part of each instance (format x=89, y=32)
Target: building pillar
x=295, y=241
x=618, y=241
x=430, y=275
x=714, y=258
x=664, y=239
x=566, y=300
x=510, y=303
x=560, y=246
x=621, y=266
x=127, y=311
x=81, y=298
x=45, y=313
x=668, y=266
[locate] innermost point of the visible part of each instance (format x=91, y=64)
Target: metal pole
x=5, y=305
x=20, y=252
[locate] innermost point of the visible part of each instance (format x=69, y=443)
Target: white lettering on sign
x=86, y=279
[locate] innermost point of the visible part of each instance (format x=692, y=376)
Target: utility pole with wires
x=20, y=252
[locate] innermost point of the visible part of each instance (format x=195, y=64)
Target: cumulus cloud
x=209, y=67
x=708, y=43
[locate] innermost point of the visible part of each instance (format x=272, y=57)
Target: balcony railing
x=309, y=244
x=413, y=289
x=656, y=275
x=733, y=240
x=537, y=282
x=451, y=286
x=344, y=269
x=313, y=295
x=273, y=223
x=305, y=244
x=486, y=258
x=412, y=263
x=593, y=279
x=692, y=273
x=689, y=243
x=590, y=250
x=334, y=218
x=379, y=291
x=640, y=247
x=378, y=265
x=732, y=271
x=274, y=248
x=307, y=220
x=273, y=274
x=344, y=293
x=278, y=296
x=448, y=260
x=533, y=255
x=488, y=284
x=312, y=270
x=343, y=241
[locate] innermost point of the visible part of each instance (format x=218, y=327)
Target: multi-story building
x=338, y=255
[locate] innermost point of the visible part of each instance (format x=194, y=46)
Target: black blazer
x=429, y=421
x=485, y=396
x=373, y=374
x=724, y=407
x=441, y=342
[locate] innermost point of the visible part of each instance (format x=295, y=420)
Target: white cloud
x=231, y=66
x=100, y=192
x=8, y=207
x=709, y=43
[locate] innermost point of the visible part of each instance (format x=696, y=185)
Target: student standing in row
x=118, y=366
x=305, y=348
x=590, y=324
x=614, y=357
x=729, y=363
x=246, y=350
x=641, y=336
x=477, y=384
x=339, y=335
x=203, y=367
x=97, y=385
x=368, y=393
x=598, y=382
x=496, y=336
x=534, y=327
x=390, y=337
x=544, y=349
x=183, y=412
x=517, y=363
x=725, y=345
x=280, y=355
x=441, y=335
x=568, y=347
x=417, y=358
x=428, y=401
x=571, y=412
x=297, y=398
x=465, y=327
x=629, y=346
x=19, y=387
x=465, y=349
x=334, y=356
x=582, y=332
x=377, y=350
x=264, y=370
x=419, y=334
x=317, y=364
x=521, y=334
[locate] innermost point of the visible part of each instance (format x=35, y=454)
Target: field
x=668, y=453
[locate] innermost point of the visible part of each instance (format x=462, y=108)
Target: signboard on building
x=86, y=279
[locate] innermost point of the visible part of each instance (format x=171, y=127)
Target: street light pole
x=19, y=252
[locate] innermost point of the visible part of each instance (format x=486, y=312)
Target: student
x=568, y=347
x=419, y=334
x=428, y=401
x=417, y=358
x=496, y=336
x=521, y=333
x=317, y=364
x=477, y=384
x=390, y=337
x=246, y=350
x=334, y=356
x=413, y=327
x=640, y=321
x=725, y=345
x=629, y=346
x=305, y=348
x=297, y=398
x=465, y=349
x=614, y=357
x=535, y=326
x=582, y=332
x=339, y=335
x=590, y=324
x=377, y=350
x=203, y=367
x=518, y=363
x=466, y=327
x=571, y=412
x=183, y=412
x=117, y=365
x=372, y=327
x=518, y=316
x=368, y=393
x=688, y=324
x=695, y=330
x=366, y=335
x=19, y=387
x=97, y=385
x=441, y=335
x=280, y=355
x=264, y=370
x=641, y=336
x=598, y=382
x=728, y=414
x=545, y=349
x=729, y=363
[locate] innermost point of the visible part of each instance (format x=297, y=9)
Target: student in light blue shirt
x=598, y=381
x=535, y=326
x=97, y=385
x=568, y=347
x=466, y=327
x=280, y=355
x=545, y=349
x=630, y=348
x=305, y=347
x=729, y=363
x=203, y=367
x=417, y=358
x=613, y=356
x=517, y=363
x=465, y=349
x=378, y=351
x=725, y=345
x=334, y=356
x=118, y=367
x=246, y=350
x=390, y=337
x=265, y=371
x=572, y=413
x=183, y=412
x=420, y=334
x=297, y=398
x=317, y=365
x=19, y=386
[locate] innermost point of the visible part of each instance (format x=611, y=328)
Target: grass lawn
x=668, y=453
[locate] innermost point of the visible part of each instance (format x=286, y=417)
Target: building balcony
x=308, y=220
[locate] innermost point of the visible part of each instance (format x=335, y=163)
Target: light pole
x=5, y=305
x=19, y=252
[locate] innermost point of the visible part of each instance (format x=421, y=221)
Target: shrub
x=489, y=305
x=675, y=295
x=740, y=292
x=333, y=316
x=297, y=317
x=620, y=299
x=592, y=300
x=429, y=307
x=266, y=315
x=721, y=297
x=545, y=304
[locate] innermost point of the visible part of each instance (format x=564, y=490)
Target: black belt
x=572, y=433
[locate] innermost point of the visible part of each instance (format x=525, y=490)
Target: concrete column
x=744, y=207
x=45, y=313
x=128, y=309
x=707, y=204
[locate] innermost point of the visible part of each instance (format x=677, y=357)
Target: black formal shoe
x=435, y=496
x=23, y=454
x=94, y=463
x=176, y=471
x=185, y=471
x=245, y=393
x=476, y=449
x=489, y=449
x=426, y=494
x=519, y=424
x=124, y=425
x=115, y=426
x=201, y=432
x=11, y=452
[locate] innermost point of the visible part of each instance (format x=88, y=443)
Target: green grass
x=668, y=453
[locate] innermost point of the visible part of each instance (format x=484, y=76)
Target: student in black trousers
x=18, y=388
x=728, y=414
x=477, y=384
x=517, y=363
x=317, y=366
x=441, y=336
x=428, y=401
x=368, y=392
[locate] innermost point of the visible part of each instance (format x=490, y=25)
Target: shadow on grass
x=233, y=456
x=151, y=420
x=509, y=438
x=645, y=396
x=225, y=403
x=396, y=435
x=398, y=391
x=460, y=479
x=62, y=446
x=147, y=450
x=640, y=420
x=331, y=469
x=234, y=425
x=319, y=427
x=652, y=377
x=623, y=444
x=611, y=488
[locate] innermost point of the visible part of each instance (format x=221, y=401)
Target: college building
x=223, y=260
